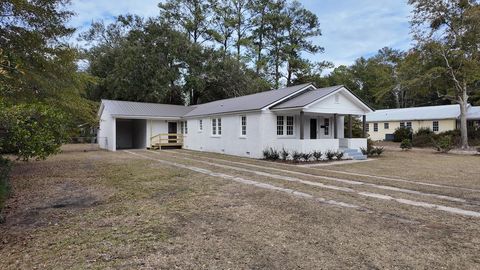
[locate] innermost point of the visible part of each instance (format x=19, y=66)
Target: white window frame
x=375, y=127
x=217, y=127
x=185, y=126
x=402, y=125
x=243, y=125
x=326, y=126
x=181, y=127
x=386, y=125
x=367, y=127
x=409, y=125
x=285, y=125
x=437, y=126
x=200, y=125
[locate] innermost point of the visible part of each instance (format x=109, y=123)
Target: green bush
x=4, y=183
x=406, y=144
x=306, y=156
x=443, y=144
x=270, y=154
x=31, y=130
x=317, y=155
x=423, y=138
x=284, y=154
x=330, y=154
x=296, y=156
x=401, y=134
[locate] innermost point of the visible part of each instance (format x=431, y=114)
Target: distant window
x=214, y=126
x=435, y=126
x=375, y=127
x=186, y=127
x=367, y=127
x=200, y=125
x=219, y=124
x=409, y=125
x=243, y=120
x=386, y=125
x=290, y=125
x=402, y=124
x=181, y=127
x=280, y=123
x=326, y=126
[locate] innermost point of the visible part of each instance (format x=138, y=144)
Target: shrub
x=306, y=156
x=296, y=156
x=4, y=184
x=31, y=130
x=270, y=154
x=378, y=151
x=443, y=144
x=401, y=134
x=423, y=138
x=339, y=155
x=330, y=154
x=317, y=155
x=284, y=154
x=365, y=151
x=406, y=144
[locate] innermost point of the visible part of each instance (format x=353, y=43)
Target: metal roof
x=307, y=98
x=474, y=113
x=416, y=113
x=256, y=101
x=153, y=110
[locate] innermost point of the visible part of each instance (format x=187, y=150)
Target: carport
x=131, y=133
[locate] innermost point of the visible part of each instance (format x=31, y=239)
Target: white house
x=301, y=118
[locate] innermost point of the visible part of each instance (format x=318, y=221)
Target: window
x=214, y=126
x=386, y=125
x=409, y=125
x=186, y=127
x=289, y=125
x=367, y=127
x=181, y=127
x=375, y=127
x=402, y=124
x=219, y=124
x=326, y=126
x=280, y=123
x=243, y=123
x=285, y=126
x=200, y=125
x=435, y=126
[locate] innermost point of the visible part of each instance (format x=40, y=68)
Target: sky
x=350, y=28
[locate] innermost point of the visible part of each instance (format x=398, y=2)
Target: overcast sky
x=351, y=28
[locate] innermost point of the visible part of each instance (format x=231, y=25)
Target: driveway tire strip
x=449, y=209
x=395, y=179
x=251, y=182
x=340, y=180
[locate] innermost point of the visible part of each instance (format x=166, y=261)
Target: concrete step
x=355, y=154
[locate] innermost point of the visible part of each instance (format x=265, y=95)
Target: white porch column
x=339, y=127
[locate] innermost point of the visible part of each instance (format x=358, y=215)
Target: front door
x=313, y=128
x=172, y=129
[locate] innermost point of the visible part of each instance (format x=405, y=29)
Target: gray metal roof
x=416, y=113
x=308, y=97
x=474, y=113
x=136, y=109
x=245, y=103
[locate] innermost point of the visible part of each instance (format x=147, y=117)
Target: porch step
x=354, y=154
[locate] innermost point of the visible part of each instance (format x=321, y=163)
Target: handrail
x=166, y=139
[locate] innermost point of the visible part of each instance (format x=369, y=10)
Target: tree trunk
x=463, y=101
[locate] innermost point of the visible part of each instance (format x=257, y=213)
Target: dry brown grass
x=98, y=209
